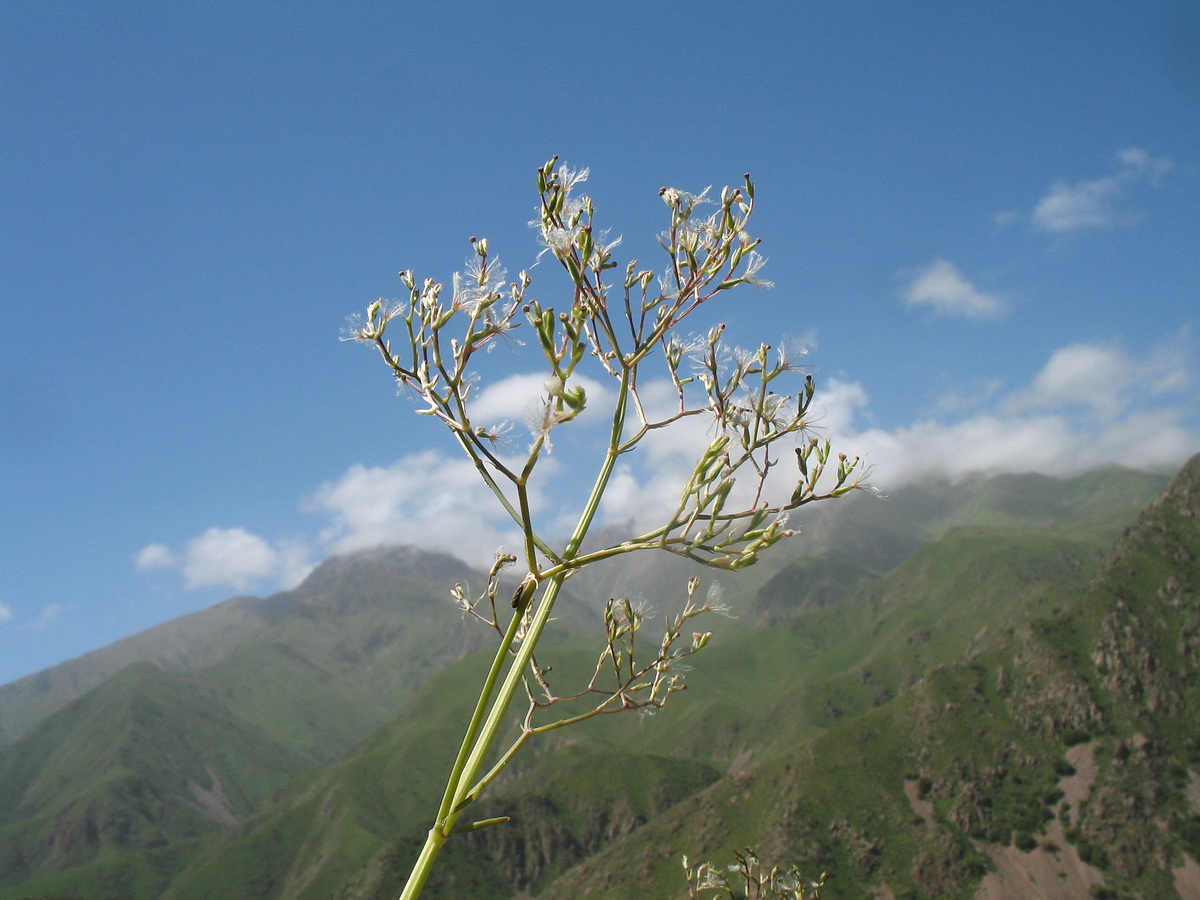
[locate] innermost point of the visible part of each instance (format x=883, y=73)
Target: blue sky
x=982, y=216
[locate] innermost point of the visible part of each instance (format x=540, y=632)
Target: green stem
x=479, y=739
x=424, y=864
x=466, y=793
x=485, y=697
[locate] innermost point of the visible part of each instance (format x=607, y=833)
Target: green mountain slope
x=152, y=758
x=146, y=759
x=849, y=544
x=319, y=667
x=188, y=642
x=366, y=619
x=751, y=700
x=1061, y=761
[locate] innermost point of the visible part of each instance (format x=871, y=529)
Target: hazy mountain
x=155, y=755
x=222, y=799
x=1057, y=760
x=362, y=619
x=185, y=643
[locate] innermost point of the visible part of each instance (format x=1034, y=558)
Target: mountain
x=912, y=586
x=1057, y=760
x=204, y=638
x=851, y=543
x=194, y=740
x=146, y=759
x=188, y=642
x=753, y=698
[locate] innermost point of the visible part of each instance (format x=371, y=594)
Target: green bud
x=575, y=398
x=802, y=459
x=630, y=278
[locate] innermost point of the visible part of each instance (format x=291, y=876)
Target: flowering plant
x=628, y=328
x=749, y=880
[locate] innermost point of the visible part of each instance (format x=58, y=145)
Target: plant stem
x=461, y=790
x=485, y=696
x=424, y=864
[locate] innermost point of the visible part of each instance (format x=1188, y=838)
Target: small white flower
x=715, y=602
x=756, y=262
x=641, y=607
x=477, y=285
x=568, y=177
x=560, y=240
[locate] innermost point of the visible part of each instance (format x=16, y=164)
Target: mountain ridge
x=331, y=662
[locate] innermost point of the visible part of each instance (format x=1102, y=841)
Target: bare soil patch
x=1187, y=879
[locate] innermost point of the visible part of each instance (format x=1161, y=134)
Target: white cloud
x=1084, y=204
x=1089, y=405
x=293, y=562
x=508, y=399
x=231, y=557
x=1106, y=379
x=6, y=612
x=425, y=499
x=520, y=398
x=156, y=556
x=942, y=287
x=1140, y=161
x=1090, y=204
x=1086, y=374
x=228, y=556
x=838, y=404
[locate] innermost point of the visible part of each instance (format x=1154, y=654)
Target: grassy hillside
x=752, y=699
x=1061, y=761
x=931, y=578
x=364, y=619
x=151, y=760
x=188, y=642
x=145, y=760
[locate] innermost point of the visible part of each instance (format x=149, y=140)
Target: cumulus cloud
x=426, y=499
x=942, y=288
x=1089, y=405
x=1086, y=374
x=520, y=398
x=156, y=556
x=1105, y=379
x=231, y=557
x=1084, y=204
x=1092, y=204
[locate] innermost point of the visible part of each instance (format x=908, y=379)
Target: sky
x=980, y=218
